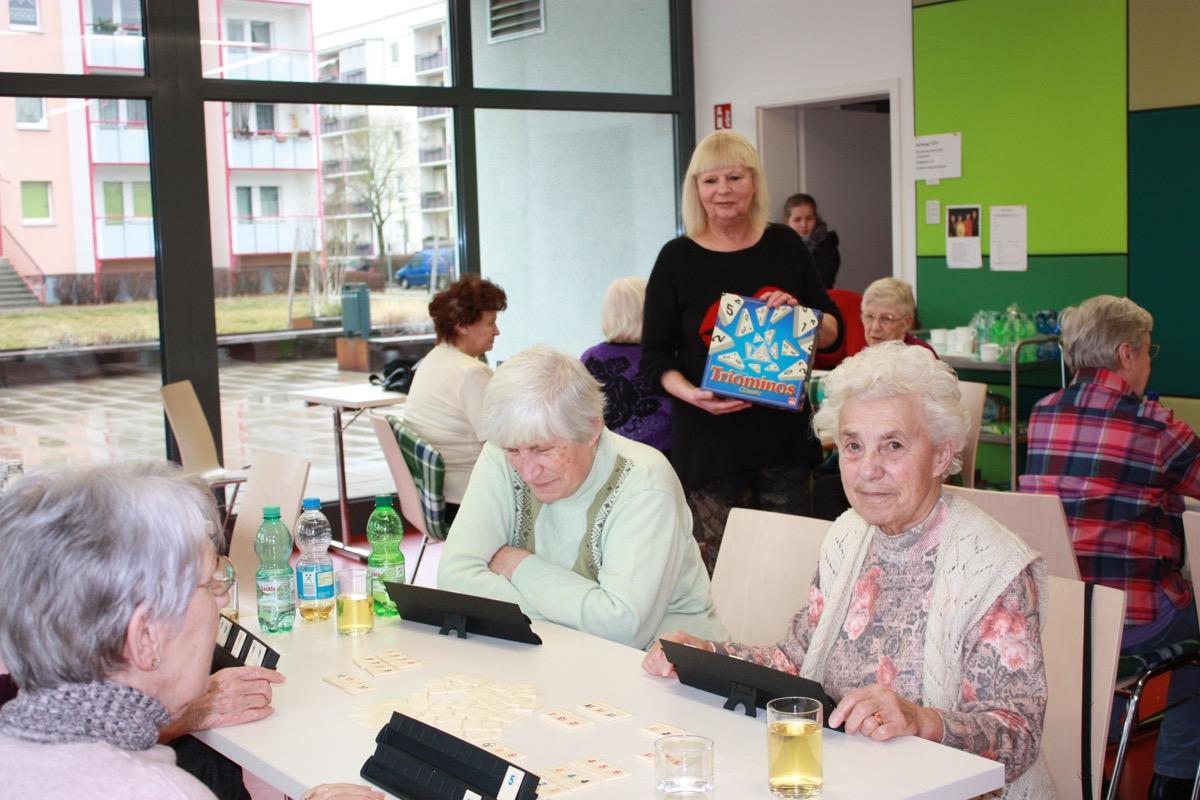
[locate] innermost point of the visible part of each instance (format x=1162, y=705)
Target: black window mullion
x=466, y=165
x=683, y=84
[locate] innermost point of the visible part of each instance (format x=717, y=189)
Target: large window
x=274, y=150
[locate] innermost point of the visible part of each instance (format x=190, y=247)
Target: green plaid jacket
x=426, y=467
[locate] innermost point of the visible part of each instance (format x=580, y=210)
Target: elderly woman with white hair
x=574, y=523
x=108, y=614
x=888, y=312
x=632, y=405
x=924, y=615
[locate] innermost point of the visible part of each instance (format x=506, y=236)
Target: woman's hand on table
x=506, y=560
x=656, y=662
x=231, y=697
x=878, y=712
x=342, y=791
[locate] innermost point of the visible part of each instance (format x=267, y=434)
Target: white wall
x=785, y=52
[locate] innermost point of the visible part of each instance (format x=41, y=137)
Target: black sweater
x=681, y=301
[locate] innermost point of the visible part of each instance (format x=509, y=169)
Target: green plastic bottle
x=274, y=582
x=386, y=562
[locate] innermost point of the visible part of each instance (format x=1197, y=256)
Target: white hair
x=894, y=369
x=893, y=292
x=1092, y=332
x=82, y=549
x=541, y=395
x=621, y=313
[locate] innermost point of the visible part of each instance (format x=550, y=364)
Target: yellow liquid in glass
x=794, y=758
x=354, y=614
x=315, y=610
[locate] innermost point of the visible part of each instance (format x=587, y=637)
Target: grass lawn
x=75, y=326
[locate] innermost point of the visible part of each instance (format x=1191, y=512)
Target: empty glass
x=683, y=767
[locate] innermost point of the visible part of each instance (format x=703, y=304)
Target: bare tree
x=378, y=152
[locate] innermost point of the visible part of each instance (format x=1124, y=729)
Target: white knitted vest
x=976, y=560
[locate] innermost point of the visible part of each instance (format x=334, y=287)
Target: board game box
x=760, y=354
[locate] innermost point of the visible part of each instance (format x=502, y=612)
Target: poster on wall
x=1008, y=238
x=938, y=156
x=963, y=241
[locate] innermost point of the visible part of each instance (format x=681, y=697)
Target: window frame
x=38, y=222
x=43, y=122
x=25, y=27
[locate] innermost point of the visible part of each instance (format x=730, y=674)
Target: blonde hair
x=891, y=291
x=621, y=314
x=1092, y=332
x=721, y=150
x=893, y=369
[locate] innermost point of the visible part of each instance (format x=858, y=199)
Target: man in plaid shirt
x=1122, y=466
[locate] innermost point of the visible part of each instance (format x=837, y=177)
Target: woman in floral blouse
x=924, y=616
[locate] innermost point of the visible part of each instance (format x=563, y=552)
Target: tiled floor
x=112, y=418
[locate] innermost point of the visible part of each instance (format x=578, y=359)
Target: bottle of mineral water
x=386, y=562
x=314, y=570
x=273, y=579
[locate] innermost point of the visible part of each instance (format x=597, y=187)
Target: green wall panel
x=1038, y=90
x=1164, y=268
x=949, y=297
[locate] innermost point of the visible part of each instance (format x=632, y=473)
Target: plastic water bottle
x=386, y=562
x=314, y=570
x=273, y=580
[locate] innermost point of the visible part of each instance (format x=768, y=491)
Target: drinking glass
x=353, y=600
x=683, y=767
x=231, y=603
x=794, y=747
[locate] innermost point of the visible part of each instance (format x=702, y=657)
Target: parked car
x=416, y=272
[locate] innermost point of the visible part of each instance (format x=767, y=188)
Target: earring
x=155, y=663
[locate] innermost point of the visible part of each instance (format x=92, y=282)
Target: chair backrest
x=854, y=337
x=973, y=397
x=406, y=488
x=1191, y=536
x=1037, y=518
x=766, y=563
x=197, y=449
x=1062, y=649
x=276, y=479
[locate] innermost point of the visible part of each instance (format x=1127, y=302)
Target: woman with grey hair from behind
x=573, y=522
x=924, y=616
x=109, y=590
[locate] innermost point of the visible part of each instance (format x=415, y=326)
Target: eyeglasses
x=222, y=580
x=887, y=320
x=1152, y=350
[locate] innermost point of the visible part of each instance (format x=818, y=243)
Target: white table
x=346, y=397
x=312, y=738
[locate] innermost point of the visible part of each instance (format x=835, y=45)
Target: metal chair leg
x=424, y=543
x=1135, y=698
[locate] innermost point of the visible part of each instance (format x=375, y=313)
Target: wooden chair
x=197, y=448
x=1063, y=652
x=406, y=487
x=973, y=397
x=1036, y=518
x=766, y=563
x=276, y=479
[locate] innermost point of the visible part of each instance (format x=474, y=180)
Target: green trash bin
x=356, y=310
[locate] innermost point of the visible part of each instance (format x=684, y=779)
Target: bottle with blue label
x=314, y=569
x=273, y=584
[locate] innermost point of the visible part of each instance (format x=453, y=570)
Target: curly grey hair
x=81, y=549
x=894, y=369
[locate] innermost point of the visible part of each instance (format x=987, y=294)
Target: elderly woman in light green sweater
x=572, y=522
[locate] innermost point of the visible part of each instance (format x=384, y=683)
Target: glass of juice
x=353, y=599
x=230, y=608
x=794, y=746
x=683, y=767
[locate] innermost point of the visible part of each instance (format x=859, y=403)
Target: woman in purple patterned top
x=632, y=407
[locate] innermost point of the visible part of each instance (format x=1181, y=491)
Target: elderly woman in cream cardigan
x=924, y=616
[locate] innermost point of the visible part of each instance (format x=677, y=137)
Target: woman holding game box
x=727, y=452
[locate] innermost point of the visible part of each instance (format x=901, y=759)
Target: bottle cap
x=270, y=512
x=383, y=501
x=312, y=504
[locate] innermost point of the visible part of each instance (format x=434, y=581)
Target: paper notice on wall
x=933, y=212
x=938, y=156
x=963, y=242
x=1008, y=238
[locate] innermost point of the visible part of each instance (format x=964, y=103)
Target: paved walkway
x=117, y=417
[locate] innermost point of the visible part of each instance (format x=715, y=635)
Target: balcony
x=432, y=200
x=266, y=64
x=343, y=166
x=425, y=112
x=267, y=150
x=430, y=61
x=120, y=48
x=348, y=209
x=334, y=124
x=125, y=237
x=429, y=155
x=120, y=142
x=275, y=234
